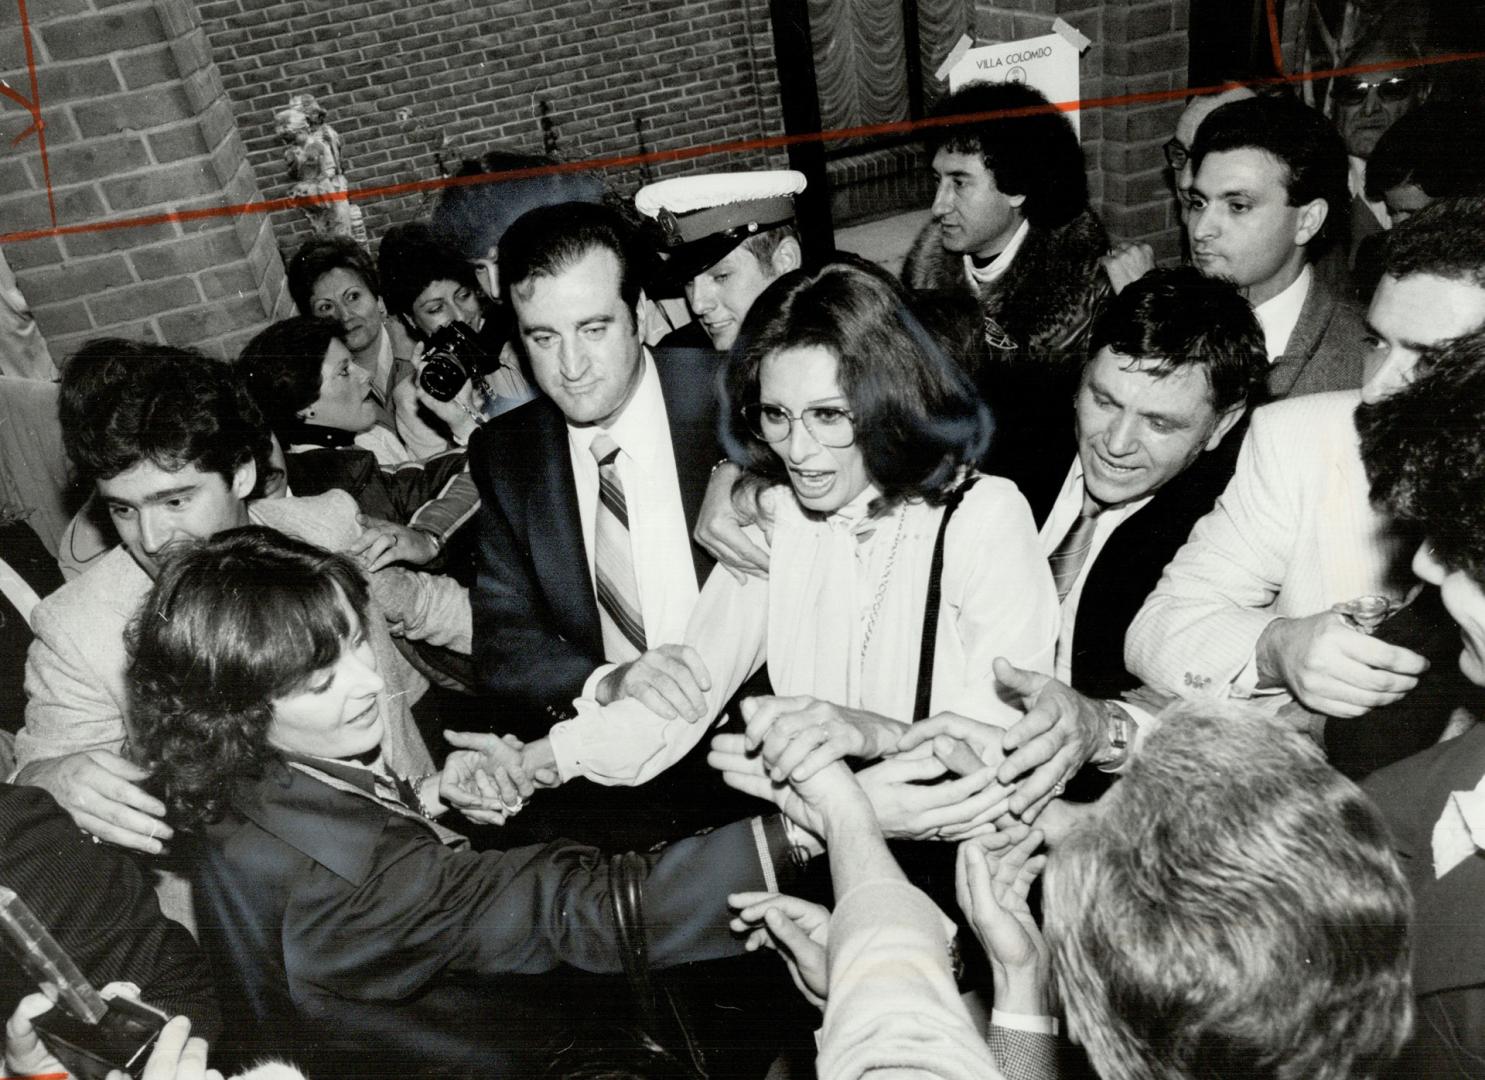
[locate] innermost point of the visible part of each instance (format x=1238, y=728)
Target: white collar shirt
x=1065, y=512
x=663, y=567
x=1356, y=181
x=981, y=276
x=1279, y=315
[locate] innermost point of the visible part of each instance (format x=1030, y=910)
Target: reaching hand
x=669, y=680
x=982, y=739
x=101, y=791
x=908, y=805
x=799, y=736
x=486, y=781
x=829, y=799
x=25, y=1053
x=1127, y=262
x=176, y=1056
x=1334, y=668
x=992, y=892
x=719, y=527
x=795, y=929
x=1061, y=731
x=383, y=543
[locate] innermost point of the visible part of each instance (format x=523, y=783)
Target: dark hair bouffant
x=231, y=624
x=917, y=417
x=122, y=403
x=281, y=369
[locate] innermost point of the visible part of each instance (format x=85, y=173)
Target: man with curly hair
x=1012, y=227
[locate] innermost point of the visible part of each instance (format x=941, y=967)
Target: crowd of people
x=589, y=615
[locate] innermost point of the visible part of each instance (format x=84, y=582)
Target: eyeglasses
x=1177, y=154
x=1388, y=87
x=829, y=425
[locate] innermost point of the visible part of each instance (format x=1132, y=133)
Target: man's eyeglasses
x=1352, y=91
x=829, y=425
x=1176, y=154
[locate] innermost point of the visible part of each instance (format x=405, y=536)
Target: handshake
x=489, y=777
x=937, y=779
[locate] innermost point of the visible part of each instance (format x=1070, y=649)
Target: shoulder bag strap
x=930, y=610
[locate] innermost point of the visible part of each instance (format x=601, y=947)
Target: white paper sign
x=1048, y=63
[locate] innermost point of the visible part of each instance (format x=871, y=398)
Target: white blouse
x=840, y=618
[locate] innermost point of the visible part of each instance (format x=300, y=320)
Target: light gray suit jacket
x=1293, y=533
x=75, y=668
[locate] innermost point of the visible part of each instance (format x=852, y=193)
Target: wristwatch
x=1118, y=726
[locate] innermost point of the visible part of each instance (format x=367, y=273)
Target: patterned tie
x=613, y=560
x=1069, y=556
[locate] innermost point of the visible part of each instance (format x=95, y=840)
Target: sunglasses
x=1388, y=88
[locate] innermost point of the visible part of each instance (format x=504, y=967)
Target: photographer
x=466, y=371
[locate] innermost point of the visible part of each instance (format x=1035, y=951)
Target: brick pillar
x=1138, y=46
x=137, y=124
x=1146, y=46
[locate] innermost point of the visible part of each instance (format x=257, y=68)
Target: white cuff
x=1040, y=1025
x=590, y=684
x=565, y=749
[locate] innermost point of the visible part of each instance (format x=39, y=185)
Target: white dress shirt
x=1065, y=512
x=810, y=621
x=663, y=568
x=1279, y=315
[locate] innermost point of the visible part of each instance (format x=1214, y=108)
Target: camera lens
x=442, y=375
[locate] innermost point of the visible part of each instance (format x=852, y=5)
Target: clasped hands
x=490, y=777
x=1002, y=779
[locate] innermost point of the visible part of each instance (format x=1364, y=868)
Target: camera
x=452, y=356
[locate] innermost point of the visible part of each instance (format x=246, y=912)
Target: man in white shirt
x=1245, y=606
x=566, y=605
x=1267, y=197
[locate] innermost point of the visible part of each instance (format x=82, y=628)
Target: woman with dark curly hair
x=342, y=908
x=836, y=393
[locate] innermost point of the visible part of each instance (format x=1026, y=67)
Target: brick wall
x=137, y=123
x=1138, y=47
x=478, y=72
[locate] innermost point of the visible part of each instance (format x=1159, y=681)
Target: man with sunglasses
x=1364, y=105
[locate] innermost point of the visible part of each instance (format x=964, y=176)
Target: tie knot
x=604, y=448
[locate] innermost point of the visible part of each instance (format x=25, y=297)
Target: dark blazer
x=349, y=920
x=1131, y=562
x=1449, y=936
x=536, y=629
x=1326, y=348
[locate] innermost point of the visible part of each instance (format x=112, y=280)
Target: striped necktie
x=613, y=559
x=1069, y=556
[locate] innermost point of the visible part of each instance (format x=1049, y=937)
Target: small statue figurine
x=312, y=154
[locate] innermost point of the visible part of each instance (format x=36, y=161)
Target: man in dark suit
x=1174, y=361
x=585, y=563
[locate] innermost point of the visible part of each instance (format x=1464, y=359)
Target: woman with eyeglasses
x=865, y=434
